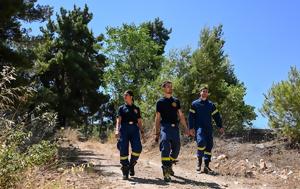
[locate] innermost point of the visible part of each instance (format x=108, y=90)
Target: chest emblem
x=174, y=104
x=135, y=111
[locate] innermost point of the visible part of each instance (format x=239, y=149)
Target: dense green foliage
x=282, y=106
x=206, y=65
x=15, y=42
x=70, y=67
x=25, y=136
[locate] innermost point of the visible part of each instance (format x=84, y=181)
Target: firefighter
x=128, y=130
x=200, y=124
x=167, y=117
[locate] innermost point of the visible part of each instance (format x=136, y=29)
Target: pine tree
x=71, y=67
x=282, y=106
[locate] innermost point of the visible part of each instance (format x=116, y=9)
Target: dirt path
x=105, y=159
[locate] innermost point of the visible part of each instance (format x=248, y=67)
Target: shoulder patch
x=193, y=111
x=174, y=104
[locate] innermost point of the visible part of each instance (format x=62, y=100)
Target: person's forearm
x=218, y=120
x=157, y=126
x=117, y=126
x=183, y=122
x=140, y=125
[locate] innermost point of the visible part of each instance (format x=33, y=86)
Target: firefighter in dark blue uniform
x=200, y=123
x=166, y=128
x=128, y=129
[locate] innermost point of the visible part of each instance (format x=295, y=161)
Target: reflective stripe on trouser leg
x=136, y=145
x=124, y=160
x=201, y=142
x=134, y=157
x=169, y=143
x=207, y=156
x=200, y=151
x=166, y=161
x=165, y=152
x=208, y=149
x=175, y=148
x=123, y=145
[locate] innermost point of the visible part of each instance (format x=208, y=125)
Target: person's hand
x=187, y=132
x=192, y=132
x=156, y=137
x=221, y=130
x=117, y=134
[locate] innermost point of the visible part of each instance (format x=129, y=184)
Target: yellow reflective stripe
x=165, y=159
x=172, y=159
x=193, y=111
x=207, y=153
x=123, y=157
x=135, y=154
x=201, y=148
x=215, y=112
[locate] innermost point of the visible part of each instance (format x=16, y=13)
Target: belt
x=172, y=124
x=129, y=122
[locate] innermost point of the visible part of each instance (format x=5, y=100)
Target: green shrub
x=22, y=133
x=282, y=106
x=41, y=153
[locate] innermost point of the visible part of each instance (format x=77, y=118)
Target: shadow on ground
x=71, y=156
x=178, y=180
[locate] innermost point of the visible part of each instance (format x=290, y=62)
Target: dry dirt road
x=104, y=158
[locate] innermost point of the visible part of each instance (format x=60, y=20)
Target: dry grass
x=111, y=139
x=69, y=134
x=68, y=172
x=61, y=178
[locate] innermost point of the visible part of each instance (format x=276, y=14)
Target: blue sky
x=262, y=37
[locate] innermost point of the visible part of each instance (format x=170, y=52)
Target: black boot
x=171, y=171
x=131, y=168
x=125, y=171
x=166, y=173
x=199, y=164
x=173, y=162
x=207, y=170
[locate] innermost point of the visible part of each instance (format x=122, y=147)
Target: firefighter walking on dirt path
x=167, y=129
x=200, y=124
x=128, y=130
